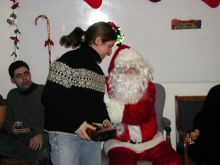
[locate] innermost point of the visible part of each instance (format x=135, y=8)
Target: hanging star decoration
x=12, y=22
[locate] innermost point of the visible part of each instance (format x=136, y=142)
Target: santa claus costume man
x=130, y=99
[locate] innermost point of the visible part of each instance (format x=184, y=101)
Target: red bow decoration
x=94, y=3
x=114, y=27
x=212, y=3
x=15, y=5
x=15, y=39
x=48, y=42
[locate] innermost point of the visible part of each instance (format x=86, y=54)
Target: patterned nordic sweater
x=74, y=91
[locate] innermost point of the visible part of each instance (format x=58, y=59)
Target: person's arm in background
x=2, y=112
x=206, y=118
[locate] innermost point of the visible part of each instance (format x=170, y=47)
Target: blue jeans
x=68, y=149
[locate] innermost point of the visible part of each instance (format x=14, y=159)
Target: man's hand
x=192, y=136
x=36, y=142
x=81, y=131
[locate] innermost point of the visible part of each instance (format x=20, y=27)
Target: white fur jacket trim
x=115, y=109
x=138, y=148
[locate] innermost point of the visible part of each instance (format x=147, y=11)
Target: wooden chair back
x=186, y=108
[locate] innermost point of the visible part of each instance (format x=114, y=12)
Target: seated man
x=2, y=112
x=28, y=143
x=205, y=136
x=130, y=99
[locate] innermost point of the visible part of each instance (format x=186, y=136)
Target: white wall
x=184, y=61
x=147, y=28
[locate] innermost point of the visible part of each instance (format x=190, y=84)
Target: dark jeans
x=16, y=146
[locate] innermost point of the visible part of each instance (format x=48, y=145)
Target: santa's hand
x=81, y=131
x=106, y=123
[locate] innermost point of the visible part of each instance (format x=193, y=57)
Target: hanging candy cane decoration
x=48, y=42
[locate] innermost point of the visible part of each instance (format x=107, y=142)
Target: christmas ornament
x=212, y=3
x=48, y=42
x=94, y=3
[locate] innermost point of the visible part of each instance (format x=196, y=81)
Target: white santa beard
x=127, y=88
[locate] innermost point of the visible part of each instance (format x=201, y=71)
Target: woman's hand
x=82, y=130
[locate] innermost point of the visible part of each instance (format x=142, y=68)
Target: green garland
x=12, y=22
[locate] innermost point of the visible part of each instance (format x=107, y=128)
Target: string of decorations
x=95, y=4
x=12, y=22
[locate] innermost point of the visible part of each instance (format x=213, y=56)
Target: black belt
x=133, y=141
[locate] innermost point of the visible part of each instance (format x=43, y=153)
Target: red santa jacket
x=139, y=119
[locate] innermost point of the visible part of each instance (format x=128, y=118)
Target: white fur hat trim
x=126, y=55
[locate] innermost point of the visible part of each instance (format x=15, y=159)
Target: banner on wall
x=185, y=24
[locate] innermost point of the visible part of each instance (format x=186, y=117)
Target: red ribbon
x=48, y=42
x=15, y=6
x=15, y=39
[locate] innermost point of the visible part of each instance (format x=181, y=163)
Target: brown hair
x=78, y=36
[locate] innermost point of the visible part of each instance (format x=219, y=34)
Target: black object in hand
x=101, y=133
